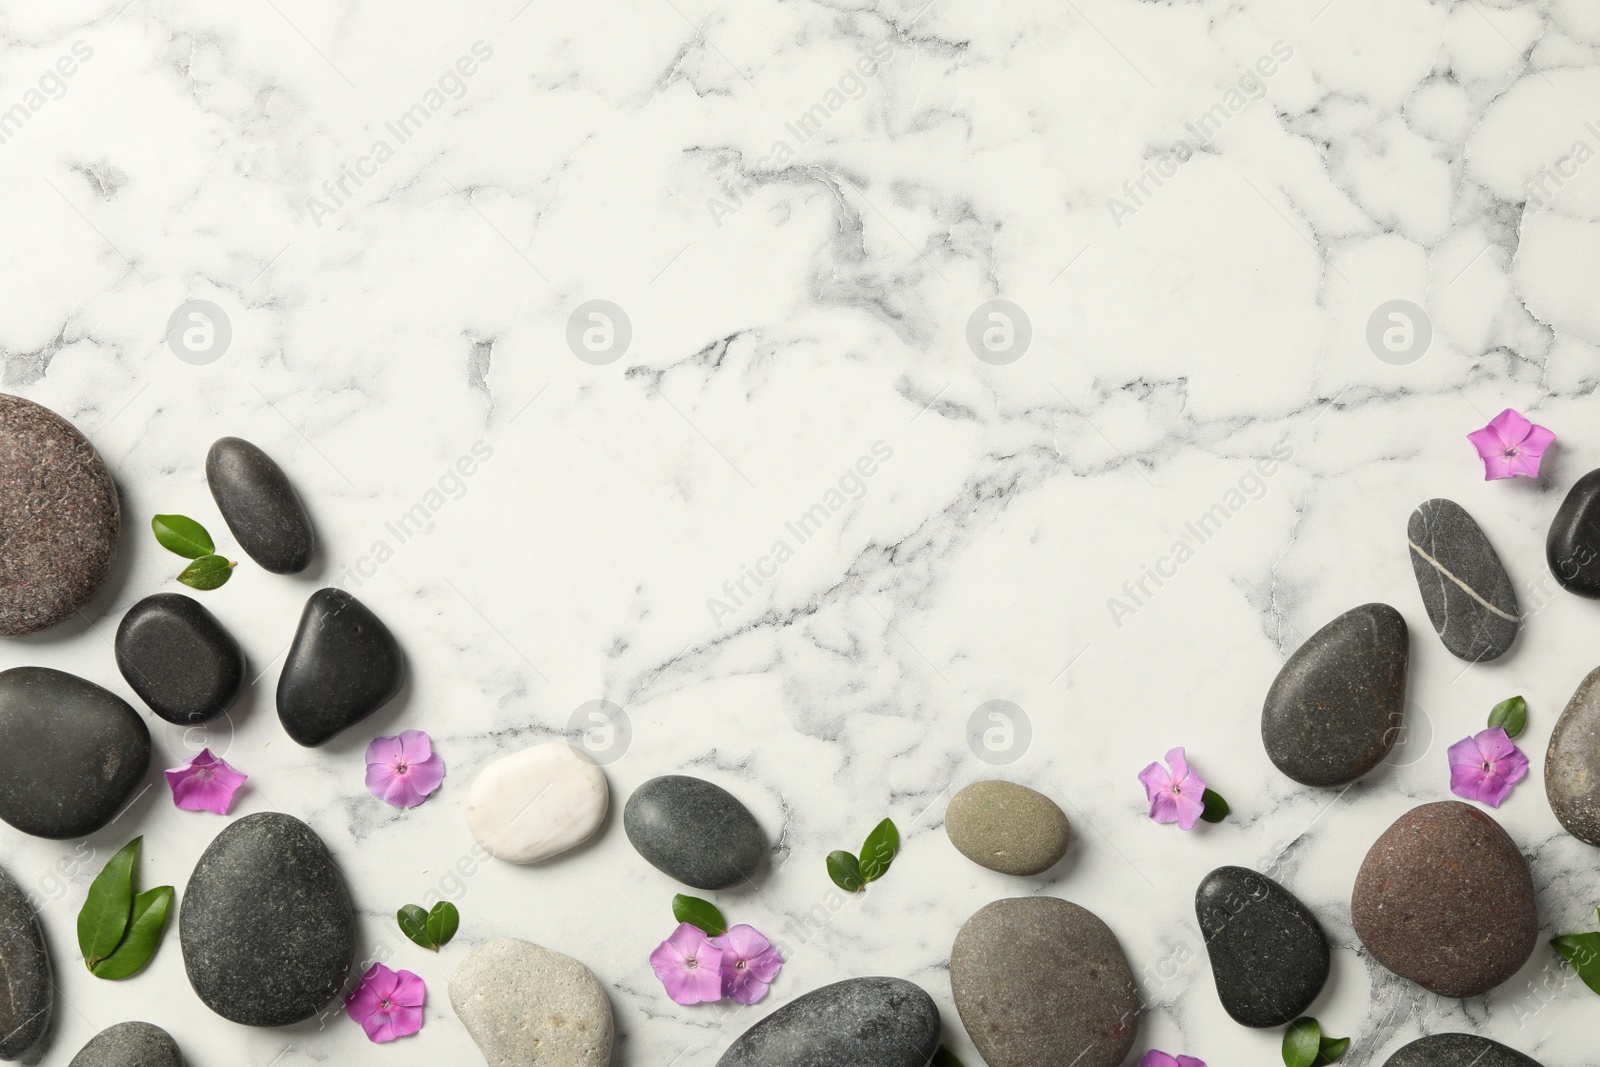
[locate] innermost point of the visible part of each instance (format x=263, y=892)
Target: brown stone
x=1445, y=898
x=1007, y=827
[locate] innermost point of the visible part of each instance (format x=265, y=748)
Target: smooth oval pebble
x=129, y=1045
x=344, y=665
x=27, y=991
x=260, y=506
x=1458, y=1050
x=1572, y=547
x=1337, y=706
x=1007, y=827
x=1445, y=899
x=71, y=753
x=526, y=1006
x=1572, y=763
x=179, y=658
x=1469, y=596
x=694, y=831
x=537, y=803
x=1268, y=953
x=60, y=516
x=860, y=1022
x=266, y=924
x=1042, y=982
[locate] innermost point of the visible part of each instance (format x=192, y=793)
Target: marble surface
x=392, y=290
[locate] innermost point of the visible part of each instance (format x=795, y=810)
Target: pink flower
x=387, y=1004
x=1175, y=795
x=1161, y=1059
x=205, y=783
x=689, y=966
x=1485, y=766
x=749, y=963
x=1510, y=446
x=403, y=770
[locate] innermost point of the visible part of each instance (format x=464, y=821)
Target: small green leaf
x=1302, y=1042
x=181, y=534
x=414, y=924
x=1332, y=1049
x=699, y=913
x=144, y=934
x=104, y=918
x=845, y=870
x=1583, y=952
x=1216, y=809
x=1511, y=714
x=879, y=850
x=443, y=922
x=945, y=1058
x=207, y=572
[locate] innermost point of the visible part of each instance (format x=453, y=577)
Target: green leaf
x=945, y=1058
x=180, y=534
x=1302, y=1042
x=1216, y=809
x=845, y=870
x=207, y=572
x=414, y=924
x=699, y=913
x=1511, y=714
x=1583, y=952
x=104, y=918
x=879, y=850
x=443, y=922
x=144, y=934
x=1332, y=1049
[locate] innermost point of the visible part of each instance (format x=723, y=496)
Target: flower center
x=1511, y=450
x=401, y=767
x=693, y=963
x=742, y=964
x=204, y=774
x=1486, y=765
x=386, y=1004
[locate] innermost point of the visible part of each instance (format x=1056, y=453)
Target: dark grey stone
x=1572, y=547
x=1469, y=596
x=260, y=506
x=179, y=658
x=1336, y=707
x=862, y=1022
x=27, y=993
x=71, y=753
x=1458, y=1050
x=695, y=831
x=266, y=924
x=344, y=665
x=1268, y=953
x=59, y=518
x=1042, y=982
x=129, y=1045
x=1572, y=763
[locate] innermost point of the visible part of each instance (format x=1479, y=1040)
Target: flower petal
x=1539, y=438
x=1190, y=1061
x=1188, y=810
x=384, y=750
x=1522, y=465
x=427, y=775
x=1164, y=807
x=1179, y=765
x=1157, y=780
x=410, y=990
x=404, y=1021
x=1465, y=753
x=1509, y=427
x=1155, y=1058
x=415, y=746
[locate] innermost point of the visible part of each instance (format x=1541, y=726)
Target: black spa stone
x=1269, y=956
x=694, y=831
x=1469, y=596
x=129, y=1045
x=1458, y=1050
x=862, y=1022
x=344, y=664
x=260, y=506
x=27, y=993
x=179, y=658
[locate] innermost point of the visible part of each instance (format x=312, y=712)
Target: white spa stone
x=537, y=803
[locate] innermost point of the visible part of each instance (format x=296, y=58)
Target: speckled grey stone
x=260, y=506
x=1458, y=1050
x=694, y=831
x=27, y=993
x=1572, y=547
x=1337, y=706
x=860, y=1022
x=1269, y=956
x=527, y=1006
x=266, y=924
x=71, y=753
x=179, y=658
x=130, y=1045
x=1042, y=982
x=1007, y=827
x=344, y=665
x=59, y=518
x=1469, y=596
x=1572, y=763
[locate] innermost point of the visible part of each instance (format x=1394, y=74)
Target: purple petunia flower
x=205, y=783
x=388, y=1004
x=1176, y=795
x=749, y=963
x=1485, y=766
x=403, y=770
x=1510, y=446
x=689, y=966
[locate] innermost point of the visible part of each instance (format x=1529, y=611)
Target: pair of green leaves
x=1583, y=952
x=701, y=914
x=430, y=929
x=1304, y=1045
x=851, y=873
x=1511, y=715
x=118, y=931
x=181, y=534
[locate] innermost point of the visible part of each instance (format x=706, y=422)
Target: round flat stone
x=59, y=518
x=1445, y=899
x=1007, y=827
x=71, y=753
x=1469, y=596
x=1572, y=547
x=527, y=1006
x=129, y=1045
x=1458, y=1050
x=1336, y=707
x=1572, y=763
x=1269, y=956
x=266, y=924
x=694, y=831
x=179, y=658
x=260, y=506
x=344, y=665
x=537, y=803
x=27, y=993
x=861, y=1022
